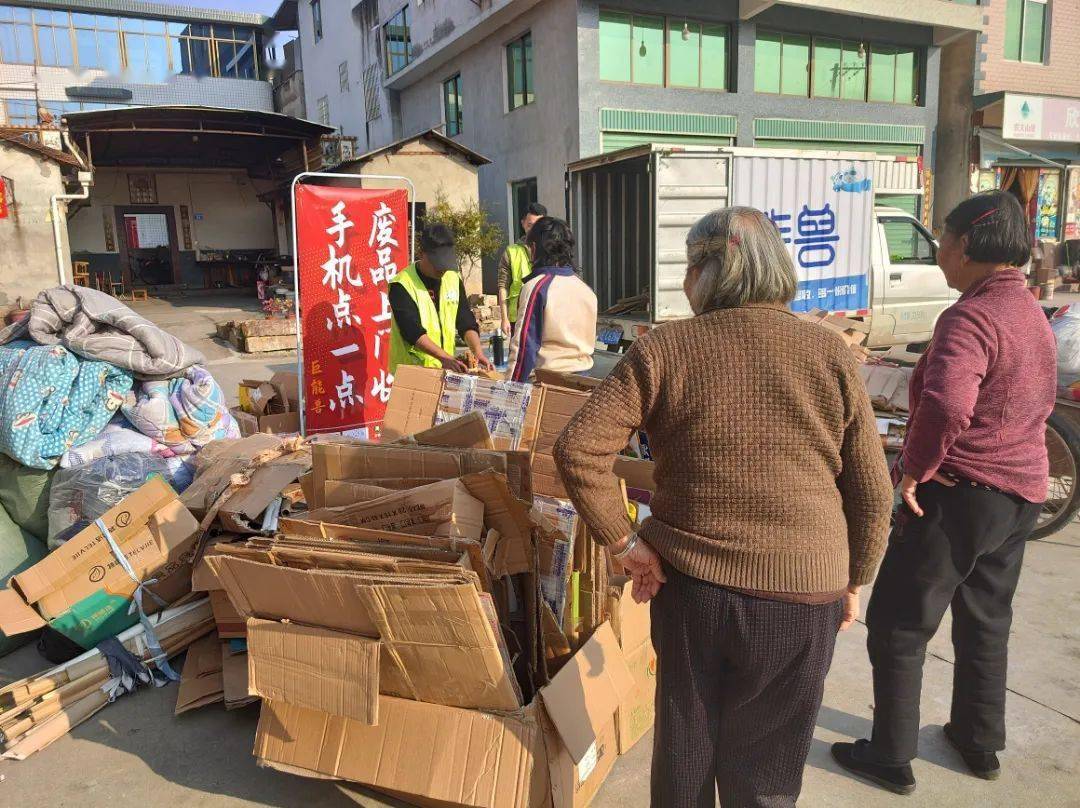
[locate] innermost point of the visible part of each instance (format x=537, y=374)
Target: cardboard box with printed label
x=423, y=398
x=81, y=589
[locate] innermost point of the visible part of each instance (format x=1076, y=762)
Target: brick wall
x=1060, y=75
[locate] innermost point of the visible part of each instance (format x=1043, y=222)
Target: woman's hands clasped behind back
x=643, y=566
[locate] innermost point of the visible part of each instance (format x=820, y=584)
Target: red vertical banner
x=3, y=198
x=350, y=243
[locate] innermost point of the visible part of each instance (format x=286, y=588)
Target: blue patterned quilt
x=51, y=400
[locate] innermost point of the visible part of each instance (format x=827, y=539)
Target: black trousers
x=739, y=685
x=966, y=551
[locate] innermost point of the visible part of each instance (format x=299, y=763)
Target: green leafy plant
x=476, y=236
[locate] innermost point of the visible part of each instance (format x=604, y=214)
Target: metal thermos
x=497, y=348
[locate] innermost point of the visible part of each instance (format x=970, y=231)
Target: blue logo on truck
x=849, y=181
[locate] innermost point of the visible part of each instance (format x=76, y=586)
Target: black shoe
x=852, y=756
x=981, y=764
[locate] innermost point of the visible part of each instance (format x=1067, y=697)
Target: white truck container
x=631, y=211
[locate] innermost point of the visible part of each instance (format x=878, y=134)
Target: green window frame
x=519, y=72
x=782, y=63
x=826, y=67
x=663, y=51
x=452, y=105
x=894, y=74
x=397, y=41
x=1025, y=31
x=839, y=69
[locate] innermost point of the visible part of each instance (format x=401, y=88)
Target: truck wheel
x=1063, y=497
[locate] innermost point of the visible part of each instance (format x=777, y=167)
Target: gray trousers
x=739, y=685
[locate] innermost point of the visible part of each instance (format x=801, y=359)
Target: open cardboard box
x=556, y=751
x=271, y=407
x=81, y=590
x=444, y=508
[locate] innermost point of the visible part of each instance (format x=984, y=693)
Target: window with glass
x=323, y=107
x=343, y=77
x=894, y=74
x=782, y=63
x=452, y=105
x=316, y=19
x=397, y=42
x=54, y=38
x=1025, y=30
x=907, y=242
x=522, y=194
x=839, y=69
x=519, y=72
x=824, y=67
x=147, y=50
x=676, y=52
x=16, y=36
x=97, y=42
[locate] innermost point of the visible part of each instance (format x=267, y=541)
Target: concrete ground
x=135, y=751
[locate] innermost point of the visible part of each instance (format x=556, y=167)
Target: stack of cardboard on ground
x=269, y=406
x=853, y=332
x=486, y=310
x=431, y=626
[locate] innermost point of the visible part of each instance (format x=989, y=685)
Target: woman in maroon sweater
x=974, y=472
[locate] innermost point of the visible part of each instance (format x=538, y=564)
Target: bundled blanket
x=50, y=401
x=117, y=438
x=95, y=325
x=185, y=413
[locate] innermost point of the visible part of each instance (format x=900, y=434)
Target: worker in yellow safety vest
x=430, y=308
x=514, y=267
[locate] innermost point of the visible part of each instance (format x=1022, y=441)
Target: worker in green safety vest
x=430, y=308
x=514, y=267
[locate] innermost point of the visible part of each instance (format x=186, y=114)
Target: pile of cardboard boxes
x=426, y=616
x=486, y=310
x=430, y=618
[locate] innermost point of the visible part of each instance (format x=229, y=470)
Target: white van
x=631, y=211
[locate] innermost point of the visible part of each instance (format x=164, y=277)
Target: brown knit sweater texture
x=770, y=473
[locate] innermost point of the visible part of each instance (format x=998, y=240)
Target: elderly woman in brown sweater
x=771, y=510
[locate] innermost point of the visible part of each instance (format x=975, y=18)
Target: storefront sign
x=1033, y=117
x=1072, y=203
x=350, y=243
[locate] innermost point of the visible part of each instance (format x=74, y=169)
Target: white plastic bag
x=1066, y=330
